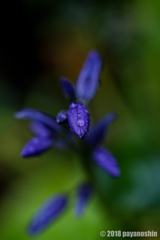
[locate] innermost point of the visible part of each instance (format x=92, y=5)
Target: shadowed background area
x=42, y=40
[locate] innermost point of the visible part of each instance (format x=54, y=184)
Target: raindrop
x=80, y=122
x=73, y=105
x=63, y=116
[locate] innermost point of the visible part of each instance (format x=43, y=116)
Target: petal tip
x=78, y=118
x=89, y=77
x=62, y=117
x=107, y=161
x=36, y=146
x=68, y=88
x=84, y=194
x=47, y=214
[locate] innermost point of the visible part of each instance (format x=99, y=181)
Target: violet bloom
x=84, y=195
x=101, y=156
x=54, y=207
x=50, y=132
x=84, y=91
x=48, y=213
x=46, y=130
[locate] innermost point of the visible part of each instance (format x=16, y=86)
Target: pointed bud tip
x=47, y=214
x=112, y=116
x=78, y=118
x=89, y=77
x=18, y=115
x=62, y=117
x=68, y=88
x=36, y=146
x=100, y=130
x=84, y=194
x=105, y=159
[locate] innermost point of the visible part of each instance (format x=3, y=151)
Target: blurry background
x=42, y=40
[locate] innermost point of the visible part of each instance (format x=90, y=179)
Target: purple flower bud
x=38, y=129
x=84, y=194
x=68, y=88
x=89, y=77
x=106, y=161
x=62, y=117
x=42, y=117
x=79, y=118
x=97, y=134
x=48, y=213
x=36, y=146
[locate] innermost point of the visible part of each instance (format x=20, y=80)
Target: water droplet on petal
x=79, y=115
x=63, y=116
x=80, y=122
x=73, y=105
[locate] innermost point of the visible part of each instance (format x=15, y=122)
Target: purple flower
x=89, y=77
x=36, y=146
x=68, y=89
x=84, y=91
x=101, y=156
x=50, y=132
x=62, y=117
x=46, y=130
x=78, y=118
x=44, y=118
x=98, y=133
x=106, y=161
x=47, y=134
x=48, y=213
x=38, y=129
x=84, y=194
x=52, y=209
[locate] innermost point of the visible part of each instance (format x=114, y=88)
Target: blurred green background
x=42, y=40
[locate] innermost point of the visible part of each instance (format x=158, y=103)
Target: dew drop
x=73, y=105
x=80, y=122
x=79, y=115
x=63, y=116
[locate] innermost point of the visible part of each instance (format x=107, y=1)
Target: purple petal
x=48, y=213
x=68, y=88
x=89, y=77
x=106, y=161
x=38, y=129
x=84, y=194
x=36, y=146
x=97, y=134
x=62, y=117
x=78, y=118
x=40, y=116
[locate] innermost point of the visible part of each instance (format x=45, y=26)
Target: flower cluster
x=60, y=132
